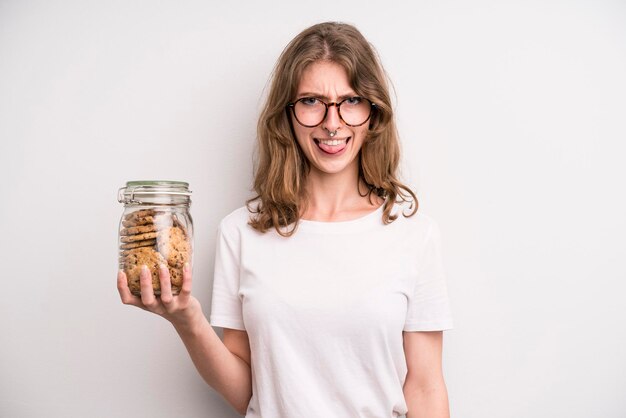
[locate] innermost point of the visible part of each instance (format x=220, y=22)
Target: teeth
x=333, y=141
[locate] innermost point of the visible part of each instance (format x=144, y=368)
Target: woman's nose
x=332, y=121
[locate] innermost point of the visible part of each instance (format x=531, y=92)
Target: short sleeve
x=226, y=307
x=429, y=305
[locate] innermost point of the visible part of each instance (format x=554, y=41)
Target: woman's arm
x=217, y=362
x=425, y=389
x=223, y=370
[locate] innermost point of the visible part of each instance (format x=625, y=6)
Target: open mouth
x=332, y=146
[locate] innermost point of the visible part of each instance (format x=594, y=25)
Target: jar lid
x=135, y=190
x=167, y=183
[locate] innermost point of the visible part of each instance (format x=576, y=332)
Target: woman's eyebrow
x=326, y=98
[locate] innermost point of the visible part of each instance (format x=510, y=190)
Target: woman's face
x=328, y=82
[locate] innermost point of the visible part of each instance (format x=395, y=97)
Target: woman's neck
x=337, y=197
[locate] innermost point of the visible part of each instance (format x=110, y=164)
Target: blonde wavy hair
x=281, y=168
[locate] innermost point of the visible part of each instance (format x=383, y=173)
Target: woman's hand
x=181, y=310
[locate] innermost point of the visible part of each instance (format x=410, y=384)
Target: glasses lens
x=355, y=110
x=309, y=111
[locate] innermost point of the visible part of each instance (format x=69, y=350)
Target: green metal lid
x=156, y=183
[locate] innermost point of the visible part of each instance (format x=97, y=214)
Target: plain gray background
x=512, y=118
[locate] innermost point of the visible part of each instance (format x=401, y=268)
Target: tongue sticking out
x=332, y=149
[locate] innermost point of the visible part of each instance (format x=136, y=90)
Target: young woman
x=329, y=284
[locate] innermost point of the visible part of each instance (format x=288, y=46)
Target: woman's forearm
x=428, y=403
x=222, y=370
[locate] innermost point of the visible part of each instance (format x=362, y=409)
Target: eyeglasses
x=311, y=111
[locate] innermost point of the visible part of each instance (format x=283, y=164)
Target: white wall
x=512, y=119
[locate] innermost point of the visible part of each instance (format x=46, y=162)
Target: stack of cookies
x=153, y=237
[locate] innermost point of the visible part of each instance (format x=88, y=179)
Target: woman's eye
x=353, y=100
x=310, y=101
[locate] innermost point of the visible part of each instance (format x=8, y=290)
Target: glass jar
x=155, y=228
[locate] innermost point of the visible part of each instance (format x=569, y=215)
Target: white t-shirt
x=325, y=309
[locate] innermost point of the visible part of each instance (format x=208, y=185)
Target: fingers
x=147, y=292
x=167, y=302
x=185, y=291
x=166, y=285
x=127, y=297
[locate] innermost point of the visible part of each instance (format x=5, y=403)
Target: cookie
x=138, y=229
x=138, y=244
x=139, y=214
x=178, y=223
x=139, y=237
x=132, y=267
x=174, y=246
x=146, y=220
x=160, y=220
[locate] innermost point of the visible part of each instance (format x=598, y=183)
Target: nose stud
x=332, y=134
